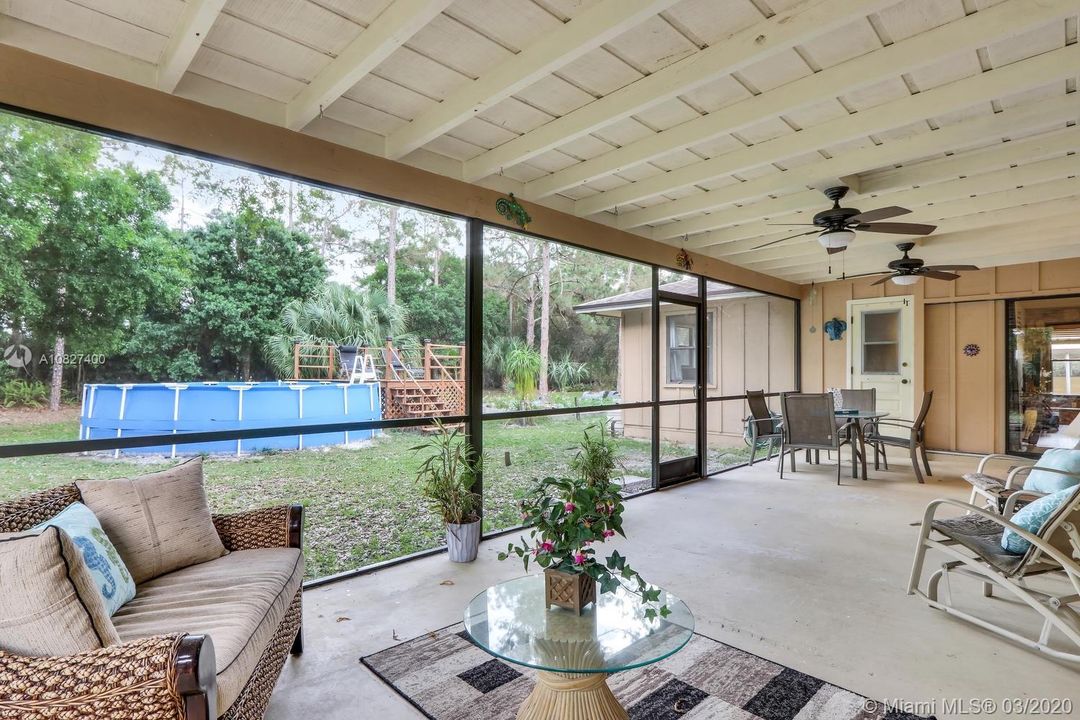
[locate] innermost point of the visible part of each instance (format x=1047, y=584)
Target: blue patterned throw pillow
x=1055, y=459
x=1031, y=518
x=108, y=570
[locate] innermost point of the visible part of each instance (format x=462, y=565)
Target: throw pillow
x=100, y=556
x=158, y=522
x=1055, y=459
x=1031, y=518
x=50, y=605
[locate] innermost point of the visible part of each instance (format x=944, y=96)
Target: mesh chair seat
x=984, y=482
x=981, y=536
x=888, y=439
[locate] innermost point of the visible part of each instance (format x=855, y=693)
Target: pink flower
x=524, y=516
x=547, y=546
x=609, y=533
x=569, y=507
x=579, y=559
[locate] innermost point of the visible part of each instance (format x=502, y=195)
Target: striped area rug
x=445, y=676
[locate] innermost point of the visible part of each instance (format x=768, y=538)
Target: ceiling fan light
x=836, y=238
x=905, y=279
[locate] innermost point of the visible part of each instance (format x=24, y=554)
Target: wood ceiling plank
x=1012, y=78
x=780, y=32
x=387, y=33
x=1044, y=115
x=942, y=42
x=571, y=42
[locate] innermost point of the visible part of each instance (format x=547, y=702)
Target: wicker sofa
x=176, y=673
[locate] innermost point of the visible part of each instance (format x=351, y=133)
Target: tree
x=545, y=316
x=246, y=268
x=338, y=315
x=91, y=246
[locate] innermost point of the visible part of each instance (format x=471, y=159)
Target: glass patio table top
x=510, y=621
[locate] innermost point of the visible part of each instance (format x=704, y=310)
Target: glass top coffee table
x=574, y=654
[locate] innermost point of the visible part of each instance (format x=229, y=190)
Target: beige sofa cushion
x=50, y=604
x=238, y=600
x=158, y=522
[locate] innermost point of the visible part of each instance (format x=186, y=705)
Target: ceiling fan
x=837, y=225
x=908, y=270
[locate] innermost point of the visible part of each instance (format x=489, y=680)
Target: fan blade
x=939, y=275
x=879, y=214
x=883, y=280
x=834, y=250
x=898, y=228
x=789, y=237
x=948, y=268
x=859, y=275
x=792, y=224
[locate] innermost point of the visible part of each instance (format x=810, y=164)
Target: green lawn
x=361, y=502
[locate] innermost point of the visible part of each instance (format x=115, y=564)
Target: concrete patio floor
x=799, y=571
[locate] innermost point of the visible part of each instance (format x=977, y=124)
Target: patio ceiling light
x=836, y=238
x=905, y=279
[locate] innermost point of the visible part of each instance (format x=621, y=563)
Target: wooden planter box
x=572, y=591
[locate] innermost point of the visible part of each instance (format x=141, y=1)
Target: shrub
x=22, y=393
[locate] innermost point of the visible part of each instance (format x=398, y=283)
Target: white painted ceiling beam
x=390, y=30
x=187, y=38
x=1014, y=78
x=825, y=172
x=1001, y=200
x=965, y=34
x=784, y=30
x=743, y=238
x=585, y=32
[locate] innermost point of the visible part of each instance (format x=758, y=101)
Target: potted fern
x=568, y=517
x=447, y=477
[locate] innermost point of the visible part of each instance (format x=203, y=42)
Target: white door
x=881, y=339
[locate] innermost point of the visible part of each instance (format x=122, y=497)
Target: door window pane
x=682, y=344
x=881, y=342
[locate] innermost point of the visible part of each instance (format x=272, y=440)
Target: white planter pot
x=463, y=541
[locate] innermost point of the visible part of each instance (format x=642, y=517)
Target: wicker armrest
x=160, y=677
x=273, y=527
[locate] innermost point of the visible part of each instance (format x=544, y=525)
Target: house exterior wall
x=968, y=412
x=753, y=348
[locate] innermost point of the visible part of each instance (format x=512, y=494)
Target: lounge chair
x=973, y=544
x=997, y=491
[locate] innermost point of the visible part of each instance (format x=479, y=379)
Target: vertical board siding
x=969, y=392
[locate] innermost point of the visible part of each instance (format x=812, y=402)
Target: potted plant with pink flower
x=568, y=517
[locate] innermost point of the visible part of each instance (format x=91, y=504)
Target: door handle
x=904, y=381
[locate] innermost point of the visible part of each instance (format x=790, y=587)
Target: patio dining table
x=857, y=418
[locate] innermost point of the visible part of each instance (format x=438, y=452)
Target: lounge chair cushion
x=159, y=522
x=982, y=536
x=50, y=606
x=99, y=555
x=238, y=600
x=1055, y=459
x=1031, y=518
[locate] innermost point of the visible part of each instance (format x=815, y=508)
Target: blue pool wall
x=131, y=410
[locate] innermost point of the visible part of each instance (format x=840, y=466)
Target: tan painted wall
x=968, y=413
x=43, y=85
x=753, y=348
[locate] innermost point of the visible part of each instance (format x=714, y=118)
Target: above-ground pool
x=127, y=410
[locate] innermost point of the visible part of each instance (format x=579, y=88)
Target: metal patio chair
x=762, y=424
x=909, y=434
x=997, y=493
x=973, y=544
x=809, y=424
